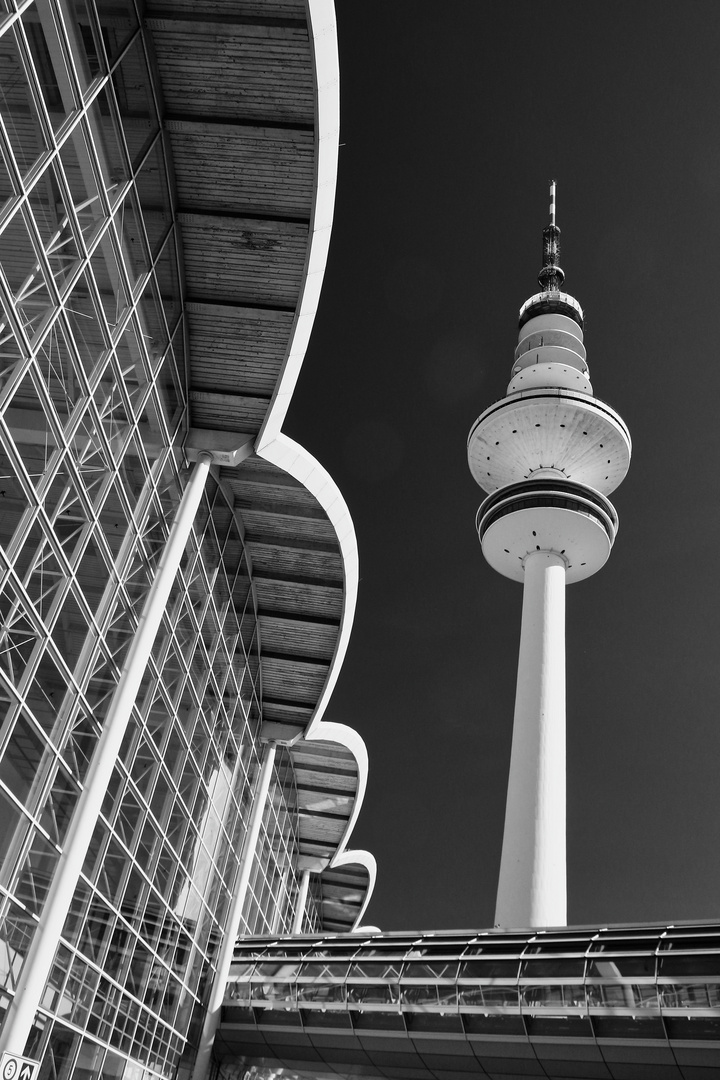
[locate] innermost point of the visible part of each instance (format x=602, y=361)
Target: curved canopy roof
x=250, y=106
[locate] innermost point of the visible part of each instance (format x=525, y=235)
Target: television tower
x=548, y=454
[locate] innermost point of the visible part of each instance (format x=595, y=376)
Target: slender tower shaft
x=532, y=886
x=548, y=454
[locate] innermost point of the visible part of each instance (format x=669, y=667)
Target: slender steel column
x=301, y=902
x=38, y=961
x=532, y=889
x=225, y=953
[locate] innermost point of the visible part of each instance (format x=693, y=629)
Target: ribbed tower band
x=532, y=887
x=548, y=454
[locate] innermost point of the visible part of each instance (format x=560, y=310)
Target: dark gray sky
x=454, y=118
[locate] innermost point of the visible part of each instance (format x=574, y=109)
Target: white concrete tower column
x=41, y=953
x=532, y=885
x=547, y=453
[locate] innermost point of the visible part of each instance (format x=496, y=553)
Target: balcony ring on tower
x=568, y=519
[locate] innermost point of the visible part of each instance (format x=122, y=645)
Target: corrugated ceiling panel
x=327, y=781
x=273, y=559
x=243, y=261
x=236, y=9
x=292, y=680
x=297, y=638
x=231, y=349
x=267, y=69
x=239, y=414
x=253, y=170
x=298, y=599
x=264, y=523
x=273, y=498
x=325, y=830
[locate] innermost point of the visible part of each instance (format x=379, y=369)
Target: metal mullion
x=30, y=817
x=152, y=71
x=44, y=269
x=33, y=82
x=119, y=383
x=12, y=17
x=154, y=259
x=126, y=317
x=97, y=29
x=74, y=949
x=9, y=554
x=8, y=154
x=8, y=211
x=79, y=374
x=55, y=144
x=116, y=115
x=12, y=316
x=66, y=34
x=43, y=634
x=99, y=442
x=100, y=236
x=23, y=476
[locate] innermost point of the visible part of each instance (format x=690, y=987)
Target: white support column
x=532, y=890
x=38, y=961
x=232, y=926
x=301, y=902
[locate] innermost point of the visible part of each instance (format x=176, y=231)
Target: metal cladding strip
x=284, y=452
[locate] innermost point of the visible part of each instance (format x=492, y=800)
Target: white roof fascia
x=322, y=26
x=284, y=452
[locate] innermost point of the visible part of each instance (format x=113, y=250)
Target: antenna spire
x=551, y=276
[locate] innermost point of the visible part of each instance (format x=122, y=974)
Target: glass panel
x=554, y=996
x=36, y=874
x=134, y=100
x=59, y=806
x=21, y=759
x=89, y=56
x=676, y=964
x=618, y=966
x=622, y=995
x=549, y=967
x=17, y=254
x=10, y=818
x=131, y=237
x=166, y=273
x=118, y=21
x=489, y=969
x=84, y=325
x=50, y=67
x=18, y=106
x=491, y=996
x=152, y=190
x=690, y=995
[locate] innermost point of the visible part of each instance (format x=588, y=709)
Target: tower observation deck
x=548, y=454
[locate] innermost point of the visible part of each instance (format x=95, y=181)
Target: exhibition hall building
x=177, y=577
x=178, y=892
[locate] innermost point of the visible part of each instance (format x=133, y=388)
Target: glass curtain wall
x=92, y=413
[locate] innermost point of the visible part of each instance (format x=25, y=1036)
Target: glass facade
x=93, y=413
x=618, y=1002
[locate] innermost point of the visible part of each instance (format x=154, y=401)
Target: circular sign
x=10, y=1069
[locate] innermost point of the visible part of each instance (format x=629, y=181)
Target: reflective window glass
x=18, y=106
x=135, y=104
x=49, y=62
